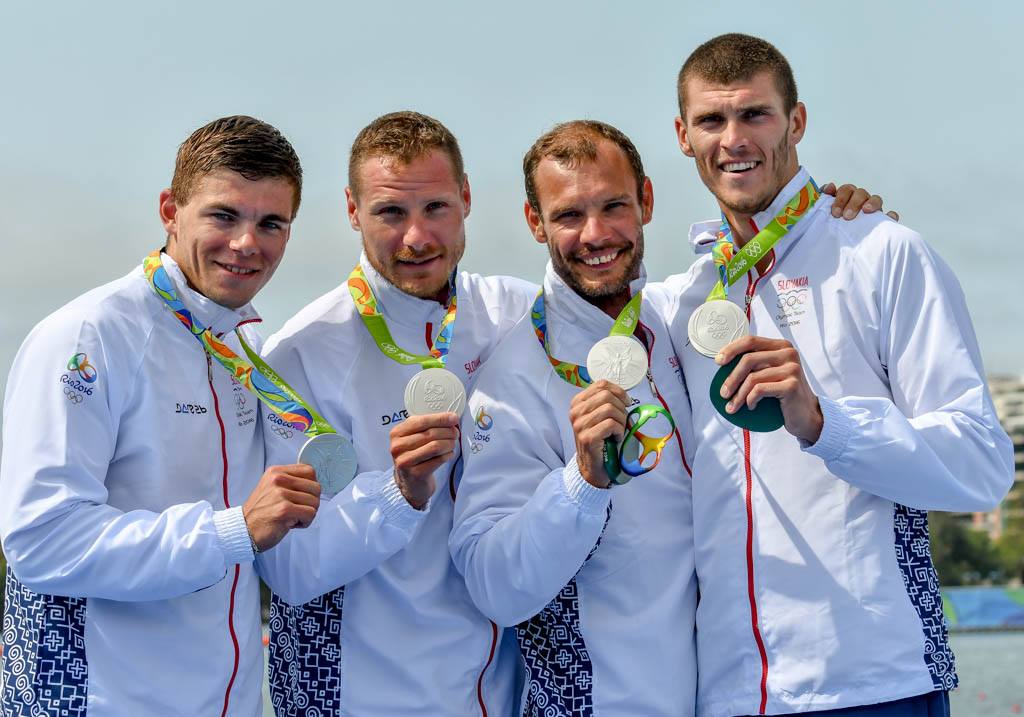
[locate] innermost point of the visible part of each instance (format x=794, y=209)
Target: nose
x=244, y=242
x=734, y=137
x=595, y=231
x=417, y=237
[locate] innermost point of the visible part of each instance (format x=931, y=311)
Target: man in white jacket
x=129, y=450
x=817, y=586
x=369, y=616
x=598, y=579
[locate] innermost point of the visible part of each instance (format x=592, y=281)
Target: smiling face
x=743, y=140
x=230, y=235
x=412, y=220
x=592, y=221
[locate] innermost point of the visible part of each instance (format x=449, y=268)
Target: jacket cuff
x=589, y=499
x=835, y=432
x=395, y=507
x=233, y=535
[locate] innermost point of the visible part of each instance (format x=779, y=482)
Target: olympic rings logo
x=789, y=301
x=80, y=363
x=74, y=396
x=475, y=448
x=282, y=431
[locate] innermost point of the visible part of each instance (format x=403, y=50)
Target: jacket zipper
x=749, y=499
x=227, y=504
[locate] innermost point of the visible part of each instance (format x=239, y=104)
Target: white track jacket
x=817, y=586
x=370, y=617
x=130, y=588
x=599, y=584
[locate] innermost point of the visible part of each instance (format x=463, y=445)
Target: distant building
x=1008, y=397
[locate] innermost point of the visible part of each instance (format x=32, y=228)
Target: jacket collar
x=573, y=315
x=210, y=314
x=397, y=306
x=704, y=234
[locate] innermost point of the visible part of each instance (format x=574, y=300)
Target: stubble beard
x=752, y=205
x=419, y=289
x=599, y=293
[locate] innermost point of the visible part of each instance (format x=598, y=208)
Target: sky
x=918, y=101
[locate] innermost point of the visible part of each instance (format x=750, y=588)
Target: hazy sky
x=916, y=101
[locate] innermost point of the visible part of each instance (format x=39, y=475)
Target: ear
x=536, y=224
x=681, y=136
x=168, y=213
x=467, y=198
x=350, y=205
x=797, y=123
x=647, y=201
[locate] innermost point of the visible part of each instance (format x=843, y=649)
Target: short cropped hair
x=242, y=144
x=735, y=57
x=403, y=137
x=569, y=144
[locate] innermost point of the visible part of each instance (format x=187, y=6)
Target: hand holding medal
x=756, y=370
x=718, y=323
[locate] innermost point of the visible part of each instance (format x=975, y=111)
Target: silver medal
x=334, y=460
x=714, y=325
x=435, y=390
x=622, y=360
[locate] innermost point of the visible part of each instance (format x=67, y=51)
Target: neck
x=742, y=223
x=611, y=305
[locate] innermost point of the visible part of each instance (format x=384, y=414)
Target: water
x=991, y=667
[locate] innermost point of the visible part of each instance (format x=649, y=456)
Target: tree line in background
x=962, y=556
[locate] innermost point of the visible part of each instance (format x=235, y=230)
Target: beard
x=596, y=293
x=751, y=205
x=428, y=287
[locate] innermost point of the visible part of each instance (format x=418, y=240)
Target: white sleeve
x=525, y=520
x=937, y=444
x=59, y=534
x=353, y=532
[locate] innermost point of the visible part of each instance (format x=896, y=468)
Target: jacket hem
x=589, y=499
x=233, y=535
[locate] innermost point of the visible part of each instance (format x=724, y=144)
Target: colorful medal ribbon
x=254, y=374
x=572, y=373
x=375, y=323
x=732, y=263
x=616, y=461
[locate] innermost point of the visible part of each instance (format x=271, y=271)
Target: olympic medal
x=435, y=390
x=622, y=360
x=714, y=325
x=765, y=417
x=334, y=460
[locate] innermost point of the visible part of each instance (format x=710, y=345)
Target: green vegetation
x=968, y=557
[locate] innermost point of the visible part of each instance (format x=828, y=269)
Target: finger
x=894, y=215
x=604, y=412
x=593, y=438
x=747, y=344
x=411, y=459
x=872, y=205
x=600, y=388
x=829, y=189
x=418, y=424
x=781, y=390
x=403, y=444
x=580, y=409
x=300, y=484
x=857, y=200
x=750, y=363
x=842, y=197
x=299, y=498
x=302, y=517
x=752, y=380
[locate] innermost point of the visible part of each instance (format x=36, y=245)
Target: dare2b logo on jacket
x=79, y=378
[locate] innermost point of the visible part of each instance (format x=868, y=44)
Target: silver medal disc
x=714, y=325
x=334, y=460
x=622, y=360
x=435, y=390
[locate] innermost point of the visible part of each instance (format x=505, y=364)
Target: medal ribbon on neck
x=732, y=262
x=615, y=460
x=572, y=373
x=373, y=319
x=254, y=374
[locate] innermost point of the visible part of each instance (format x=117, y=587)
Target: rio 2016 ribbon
x=732, y=262
x=254, y=374
x=435, y=389
x=618, y=464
